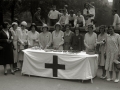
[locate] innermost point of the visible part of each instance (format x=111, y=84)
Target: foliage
x=17, y=7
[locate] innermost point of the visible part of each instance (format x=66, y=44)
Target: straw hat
x=24, y=23
x=14, y=23
x=45, y=26
x=58, y=24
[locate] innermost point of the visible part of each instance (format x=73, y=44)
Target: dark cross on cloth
x=55, y=66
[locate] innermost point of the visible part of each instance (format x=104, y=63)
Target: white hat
x=58, y=24
x=14, y=23
x=44, y=26
x=24, y=23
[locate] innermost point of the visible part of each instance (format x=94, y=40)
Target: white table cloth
x=66, y=65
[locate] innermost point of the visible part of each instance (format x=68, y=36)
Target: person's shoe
x=5, y=73
x=116, y=80
x=17, y=69
x=12, y=72
x=109, y=79
x=103, y=77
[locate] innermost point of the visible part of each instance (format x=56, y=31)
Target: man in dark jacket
x=37, y=17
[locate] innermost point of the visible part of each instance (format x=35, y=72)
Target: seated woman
x=33, y=36
x=45, y=38
x=67, y=37
x=57, y=37
x=90, y=40
x=77, y=42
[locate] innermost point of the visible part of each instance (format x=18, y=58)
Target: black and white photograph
x=59, y=44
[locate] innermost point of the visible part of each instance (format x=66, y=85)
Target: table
x=59, y=64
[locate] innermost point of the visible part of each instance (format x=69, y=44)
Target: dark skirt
x=6, y=55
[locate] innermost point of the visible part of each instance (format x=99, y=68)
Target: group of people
x=65, y=17
x=16, y=38
x=107, y=46
x=75, y=19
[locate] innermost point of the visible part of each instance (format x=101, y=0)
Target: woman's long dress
x=78, y=43
x=112, y=51
x=67, y=40
x=31, y=37
x=102, y=49
x=7, y=51
x=15, y=41
x=22, y=38
x=90, y=40
x=58, y=39
x=45, y=39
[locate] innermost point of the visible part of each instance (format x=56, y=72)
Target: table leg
x=91, y=80
x=82, y=81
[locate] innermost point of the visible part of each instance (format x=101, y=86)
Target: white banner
x=60, y=65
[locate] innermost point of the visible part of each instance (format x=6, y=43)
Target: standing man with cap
x=53, y=16
x=116, y=21
x=37, y=17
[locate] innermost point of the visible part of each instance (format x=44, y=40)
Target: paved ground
x=18, y=82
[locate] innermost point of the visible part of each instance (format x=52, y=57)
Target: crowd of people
x=63, y=16
x=16, y=38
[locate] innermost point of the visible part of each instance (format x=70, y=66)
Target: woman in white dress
x=102, y=47
x=22, y=41
x=58, y=36
x=112, y=52
x=33, y=36
x=90, y=40
x=45, y=38
x=14, y=31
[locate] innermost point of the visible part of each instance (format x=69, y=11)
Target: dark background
x=25, y=9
